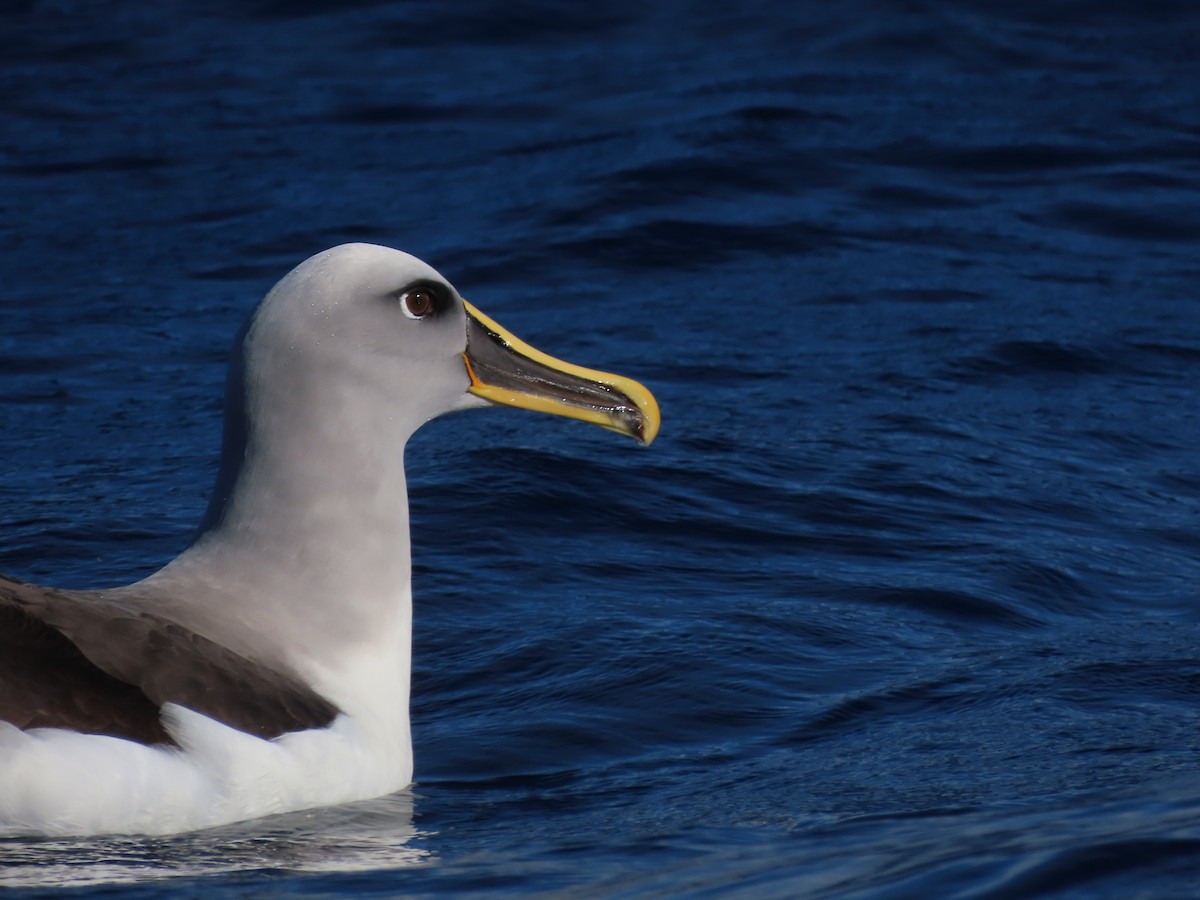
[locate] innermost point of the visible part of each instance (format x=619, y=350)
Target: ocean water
x=904, y=601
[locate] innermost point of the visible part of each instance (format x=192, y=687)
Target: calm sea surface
x=904, y=602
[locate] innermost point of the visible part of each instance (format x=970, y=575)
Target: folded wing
x=76, y=661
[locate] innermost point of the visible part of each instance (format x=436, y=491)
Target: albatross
x=266, y=668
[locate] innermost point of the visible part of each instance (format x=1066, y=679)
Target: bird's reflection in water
x=368, y=835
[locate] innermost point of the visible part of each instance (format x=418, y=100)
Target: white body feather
x=56, y=782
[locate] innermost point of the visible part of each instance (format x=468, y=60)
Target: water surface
x=905, y=600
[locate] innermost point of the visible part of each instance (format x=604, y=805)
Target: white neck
x=304, y=555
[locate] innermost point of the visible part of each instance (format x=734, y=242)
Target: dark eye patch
x=423, y=298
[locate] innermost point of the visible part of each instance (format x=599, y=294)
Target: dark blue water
x=904, y=602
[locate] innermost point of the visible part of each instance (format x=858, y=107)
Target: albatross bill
x=506, y=370
x=267, y=667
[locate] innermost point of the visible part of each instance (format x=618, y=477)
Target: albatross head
x=347, y=356
x=377, y=328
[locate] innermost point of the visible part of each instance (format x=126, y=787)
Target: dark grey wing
x=45, y=682
x=124, y=660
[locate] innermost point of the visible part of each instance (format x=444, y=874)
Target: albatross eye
x=417, y=302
